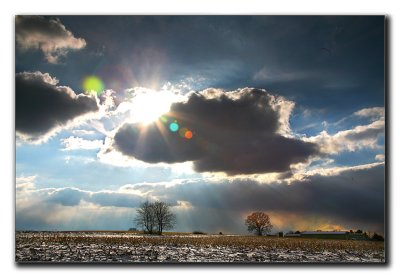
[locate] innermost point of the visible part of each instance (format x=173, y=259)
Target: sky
x=218, y=116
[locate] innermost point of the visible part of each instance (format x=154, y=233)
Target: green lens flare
x=93, y=84
x=182, y=131
x=164, y=119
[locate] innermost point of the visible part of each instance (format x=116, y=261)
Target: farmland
x=130, y=247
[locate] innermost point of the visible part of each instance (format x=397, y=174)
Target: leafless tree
x=145, y=217
x=259, y=223
x=165, y=219
x=155, y=217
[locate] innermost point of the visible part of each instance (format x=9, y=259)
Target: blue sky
x=281, y=107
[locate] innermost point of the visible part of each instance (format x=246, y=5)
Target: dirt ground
x=127, y=247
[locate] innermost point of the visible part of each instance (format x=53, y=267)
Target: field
x=128, y=247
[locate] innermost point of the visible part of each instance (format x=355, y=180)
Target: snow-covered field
x=125, y=247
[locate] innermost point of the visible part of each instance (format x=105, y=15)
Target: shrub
x=199, y=233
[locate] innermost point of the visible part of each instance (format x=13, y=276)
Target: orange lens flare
x=188, y=134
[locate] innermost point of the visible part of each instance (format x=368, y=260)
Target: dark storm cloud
x=283, y=53
x=42, y=106
x=351, y=197
x=151, y=145
x=47, y=34
x=234, y=132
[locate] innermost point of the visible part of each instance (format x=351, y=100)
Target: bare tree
x=259, y=223
x=165, y=219
x=145, y=217
x=155, y=217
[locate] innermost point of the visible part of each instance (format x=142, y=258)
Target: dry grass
x=132, y=238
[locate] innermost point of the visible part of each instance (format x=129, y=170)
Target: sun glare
x=150, y=105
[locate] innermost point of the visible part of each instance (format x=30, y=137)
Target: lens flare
x=164, y=119
x=174, y=126
x=188, y=134
x=182, y=132
x=93, y=84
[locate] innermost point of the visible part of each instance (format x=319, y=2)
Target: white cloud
x=376, y=112
x=74, y=143
x=362, y=136
x=25, y=183
x=83, y=132
x=22, y=179
x=284, y=108
x=48, y=35
x=380, y=157
x=184, y=86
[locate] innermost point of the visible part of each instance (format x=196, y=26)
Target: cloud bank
x=239, y=132
x=42, y=107
x=47, y=34
x=349, y=197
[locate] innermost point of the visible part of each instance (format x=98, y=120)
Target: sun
x=148, y=106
